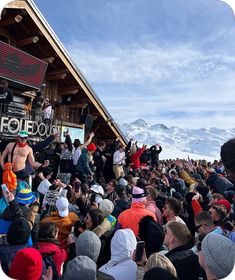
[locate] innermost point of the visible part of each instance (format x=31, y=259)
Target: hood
x=123, y=245
x=88, y=244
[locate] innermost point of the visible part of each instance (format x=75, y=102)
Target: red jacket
x=130, y=218
x=135, y=158
x=60, y=255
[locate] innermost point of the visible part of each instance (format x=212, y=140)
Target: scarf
x=21, y=145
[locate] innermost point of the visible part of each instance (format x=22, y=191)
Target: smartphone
x=5, y=190
x=139, y=251
x=72, y=229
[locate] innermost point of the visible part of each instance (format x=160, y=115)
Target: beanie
x=81, y=267
x=122, y=182
x=219, y=254
x=27, y=265
x=18, y=232
x=106, y=206
x=91, y=147
x=138, y=195
x=225, y=203
x=197, y=176
x=88, y=244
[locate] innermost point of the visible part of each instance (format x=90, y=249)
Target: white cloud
x=175, y=86
x=147, y=64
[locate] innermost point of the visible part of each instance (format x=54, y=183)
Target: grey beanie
x=80, y=268
x=219, y=254
x=122, y=182
x=88, y=244
x=106, y=206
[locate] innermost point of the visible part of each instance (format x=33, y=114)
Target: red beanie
x=91, y=147
x=26, y=265
x=225, y=203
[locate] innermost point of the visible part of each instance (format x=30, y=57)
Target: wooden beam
x=49, y=59
x=28, y=41
x=60, y=76
x=61, y=71
x=12, y=20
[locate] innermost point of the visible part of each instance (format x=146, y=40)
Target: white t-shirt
x=76, y=155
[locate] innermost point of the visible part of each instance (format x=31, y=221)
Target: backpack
x=48, y=261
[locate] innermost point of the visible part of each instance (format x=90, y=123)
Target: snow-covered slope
x=201, y=143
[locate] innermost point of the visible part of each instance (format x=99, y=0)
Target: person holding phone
x=121, y=266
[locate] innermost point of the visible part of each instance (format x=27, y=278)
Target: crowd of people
x=85, y=211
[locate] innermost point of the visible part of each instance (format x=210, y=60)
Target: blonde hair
x=161, y=261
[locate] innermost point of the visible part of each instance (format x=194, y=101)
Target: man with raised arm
x=18, y=153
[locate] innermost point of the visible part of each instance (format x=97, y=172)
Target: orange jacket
x=64, y=224
x=130, y=218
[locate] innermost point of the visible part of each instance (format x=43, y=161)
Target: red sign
x=20, y=67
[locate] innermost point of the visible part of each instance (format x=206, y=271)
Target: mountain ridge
x=202, y=143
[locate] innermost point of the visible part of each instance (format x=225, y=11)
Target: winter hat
x=88, y=244
x=97, y=189
x=106, y=206
x=122, y=182
x=219, y=254
x=23, y=134
x=138, y=194
x=152, y=233
x=80, y=268
x=197, y=176
x=18, y=232
x=27, y=265
x=225, y=203
x=62, y=206
x=91, y=147
x=25, y=196
x=159, y=273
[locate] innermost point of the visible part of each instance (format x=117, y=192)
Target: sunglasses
x=23, y=138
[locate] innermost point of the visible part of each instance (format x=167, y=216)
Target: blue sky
x=166, y=61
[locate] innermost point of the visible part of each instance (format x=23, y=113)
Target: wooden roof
x=23, y=26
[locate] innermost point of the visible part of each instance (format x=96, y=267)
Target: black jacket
x=120, y=206
x=185, y=262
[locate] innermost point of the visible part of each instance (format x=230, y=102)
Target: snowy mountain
x=203, y=143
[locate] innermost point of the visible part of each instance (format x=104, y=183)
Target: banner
x=20, y=67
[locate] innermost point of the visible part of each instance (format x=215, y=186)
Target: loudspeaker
x=87, y=120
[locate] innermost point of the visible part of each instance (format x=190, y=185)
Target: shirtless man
x=21, y=153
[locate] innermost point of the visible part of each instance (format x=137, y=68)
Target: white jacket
x=121, y=266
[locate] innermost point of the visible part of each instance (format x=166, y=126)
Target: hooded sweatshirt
x=121, y=266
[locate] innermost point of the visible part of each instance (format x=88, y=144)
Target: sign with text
x=11, y=127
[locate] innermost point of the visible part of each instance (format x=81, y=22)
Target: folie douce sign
x=20, y=67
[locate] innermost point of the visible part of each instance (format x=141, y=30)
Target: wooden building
x=74, y=102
